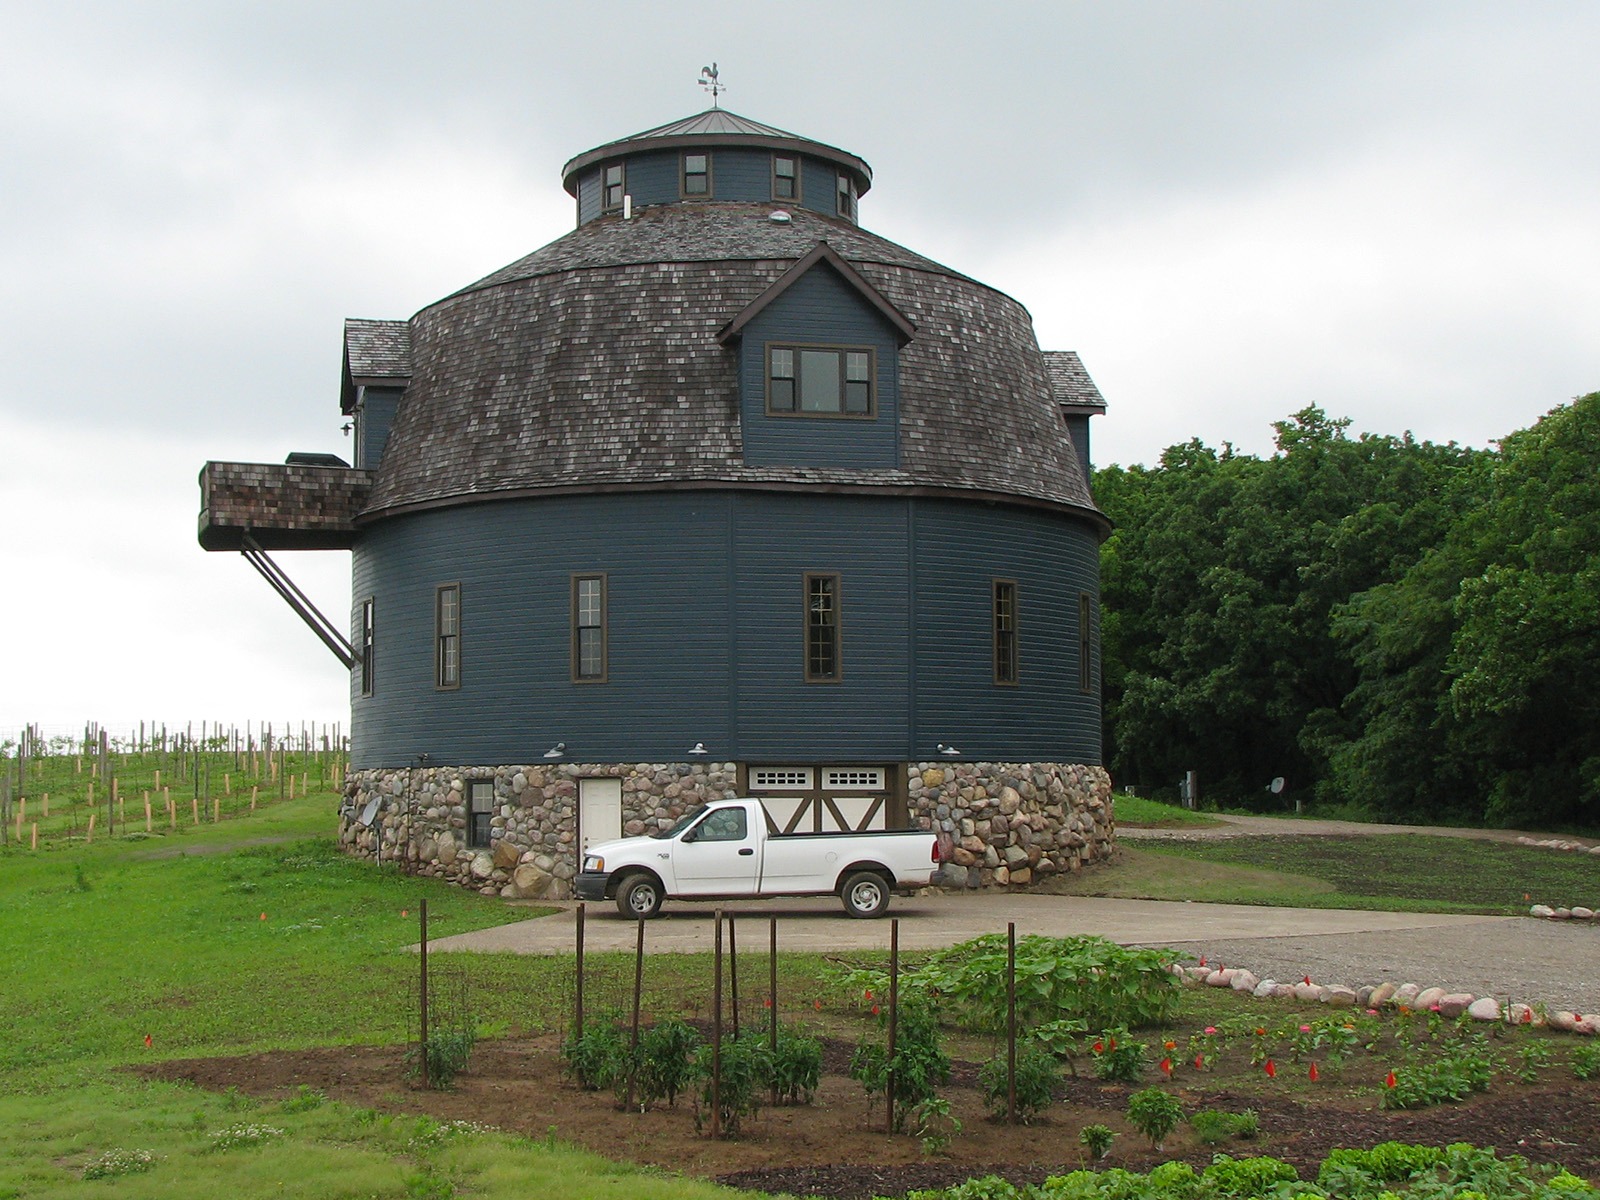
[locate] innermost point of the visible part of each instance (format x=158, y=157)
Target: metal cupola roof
x=712, y=128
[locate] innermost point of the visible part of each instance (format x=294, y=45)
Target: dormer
x=818, y=365
x=716, y=157
x=377, y=368
x=1076, y=397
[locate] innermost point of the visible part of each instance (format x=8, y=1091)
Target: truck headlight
x=593, y=862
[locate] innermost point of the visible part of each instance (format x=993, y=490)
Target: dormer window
x=697, y=175
x=846, y=202
x=785, y=177
x=820, y=381
x=614, y=186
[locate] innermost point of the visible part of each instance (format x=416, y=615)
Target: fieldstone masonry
x=1004, y=823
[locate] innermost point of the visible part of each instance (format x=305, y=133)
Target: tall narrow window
x=589, y=628
x=697, y=175
x=1085, y=642
x=614, y=184
x=822, y=628
x=447, y=636
x=785, y=177
x=480, y=811
x=1005, y=631
x=846, y=201
x=367, y=615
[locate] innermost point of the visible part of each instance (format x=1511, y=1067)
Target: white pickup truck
x=726, y=849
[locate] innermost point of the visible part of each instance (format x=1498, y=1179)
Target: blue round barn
x=719, y=494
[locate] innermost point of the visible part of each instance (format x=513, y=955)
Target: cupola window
x=820, y=381
x=697, y=175
x=846, y=202
x=614, y=186
x=785, y=177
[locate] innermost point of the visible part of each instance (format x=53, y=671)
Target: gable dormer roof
x=1074, y=391
x=820, y=253
x=376, y=354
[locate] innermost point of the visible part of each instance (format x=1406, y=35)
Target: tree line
x=1407, y=627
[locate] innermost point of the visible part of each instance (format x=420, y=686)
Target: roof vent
x=779, y=215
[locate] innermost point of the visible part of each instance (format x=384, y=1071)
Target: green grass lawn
x=1155, y=814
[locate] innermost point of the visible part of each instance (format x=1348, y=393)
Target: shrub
x=1037, y=1076
x=934, y=1125
x=1154, y=1114
x=665, y=1062
x=1117, y=1057
x=1246, y=1178
x=1461, y=1069
x=796, y=1065
x=1096, y=1139
x=598, y=1059
x=920, y=1065
x=745, y=1069
x=304, y=1100
x=448, y=1051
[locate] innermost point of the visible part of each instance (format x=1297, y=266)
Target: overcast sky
x=1230, y=210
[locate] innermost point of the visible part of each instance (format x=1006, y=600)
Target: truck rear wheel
x=639, y=897
x=865, y=894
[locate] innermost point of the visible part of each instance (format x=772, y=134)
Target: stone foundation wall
x=1010, y=823
x=1005, y=823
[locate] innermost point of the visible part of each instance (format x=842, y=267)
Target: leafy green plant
x=599, y=1058
x=1212, y=1126
x=1585, y=1061
x=1461, y=1069
x=796, y=1065
x=305, y=1099
x=448, y=1051
x=1036, y=1079
x=1117, y=1057
x=933, y=1124
x=745, y=1067
x=1096, y=1139
x=1363, y=1174
x=1246, y=1177
x=665, y=1062
x=1531, y=1057
x=1155, y=1114
x=236, y=1137
x=919, y=1066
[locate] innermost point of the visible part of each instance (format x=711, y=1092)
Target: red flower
x=1166, y=1067
x=1315, y=1075
x=817, y=1004
x=1199, y=1062
x=148, y=1041
x=1389, y=1080
x=1169, y=1045
x=1272, y=1069
x=767, y=1003
x=874, y=1010
x=1099, y=1047
x=1202, y=960
x=1307, y=978
x=1113, y=1043
x=869, y=993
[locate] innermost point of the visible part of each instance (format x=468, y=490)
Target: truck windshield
x=683, y=822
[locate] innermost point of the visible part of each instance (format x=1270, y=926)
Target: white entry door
x=599, y=811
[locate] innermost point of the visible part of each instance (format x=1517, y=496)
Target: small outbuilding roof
x=376, y=354
x=1075, y=392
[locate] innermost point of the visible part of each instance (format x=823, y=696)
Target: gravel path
x=1231, y=826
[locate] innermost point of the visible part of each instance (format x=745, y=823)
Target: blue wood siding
x=737, y=174
x=1078, y=428
x=820, y=308
x=374, y=418
x=705, y=616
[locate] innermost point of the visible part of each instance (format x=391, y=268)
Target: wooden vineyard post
x=894, y=1014
x=194, y=807
x=44, y=806
x=716, y=1034
x=147, y=828
x=577, y=993
x=172, y=811
x=216, y=809
x=1011, y=1022
x=88, y=835
x=733, y=974
x=633, y=1037
x=35, y=835
x=253, y=791
x=422, y=996
x=772, y=995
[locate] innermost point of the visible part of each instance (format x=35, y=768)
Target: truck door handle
x=747, y=850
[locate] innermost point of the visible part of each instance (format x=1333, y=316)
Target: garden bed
x=834, y=1147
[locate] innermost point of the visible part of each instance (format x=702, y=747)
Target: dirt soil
x=836, y=1147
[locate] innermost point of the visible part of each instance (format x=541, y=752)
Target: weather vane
x=709, y=81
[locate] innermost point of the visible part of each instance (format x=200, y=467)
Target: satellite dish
x=371, y=810
x=1276, y=786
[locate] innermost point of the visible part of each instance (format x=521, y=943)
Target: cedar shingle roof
x=1070, y=382
x=594, y=364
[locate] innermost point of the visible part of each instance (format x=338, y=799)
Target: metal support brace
x=297, y=600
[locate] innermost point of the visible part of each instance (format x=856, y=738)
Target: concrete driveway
x=1514, y=958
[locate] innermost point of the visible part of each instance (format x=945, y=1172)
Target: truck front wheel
x=639, y=897
x=865, y=894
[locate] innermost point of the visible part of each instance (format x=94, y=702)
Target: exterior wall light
x=559, y=750
x=948, y=751
x=699, y=748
